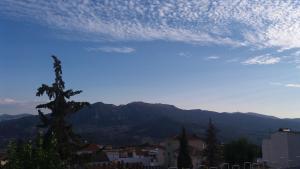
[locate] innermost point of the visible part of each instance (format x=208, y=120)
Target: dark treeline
x=215, y=154
x=240, y=151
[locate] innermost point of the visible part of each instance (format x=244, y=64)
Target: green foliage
x=36, y=155
x=60, y=106
x=240, y=151
x=212, y=152
x=184, y=160
x=56, y=148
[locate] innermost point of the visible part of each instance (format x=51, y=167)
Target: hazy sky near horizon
x=232, y=55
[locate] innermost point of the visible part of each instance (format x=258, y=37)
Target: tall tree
x=184, y=160
x=212, y=151
x=60, y=107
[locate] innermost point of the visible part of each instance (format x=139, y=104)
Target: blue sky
x=216, y=55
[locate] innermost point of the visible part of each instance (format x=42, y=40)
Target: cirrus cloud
x=261, y=24
x=289, y=85
x=110, y=49
x=213, y=58
x=293, y=85
x=262, y=60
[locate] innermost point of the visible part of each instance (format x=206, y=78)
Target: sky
x=226, y=56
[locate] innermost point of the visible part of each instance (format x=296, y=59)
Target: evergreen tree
x=212, y=151
x=184, y=160
x=60, y=107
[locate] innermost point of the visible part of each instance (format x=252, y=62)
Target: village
x=184, y=151
x=150, y=84
x=282, y=149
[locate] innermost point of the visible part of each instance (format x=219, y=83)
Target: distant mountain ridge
x=261, y=115
x=4, y=117
x=140, y=122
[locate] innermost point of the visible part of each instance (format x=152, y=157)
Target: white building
x=148, y=156
x=282, y=149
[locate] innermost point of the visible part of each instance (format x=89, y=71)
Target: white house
x=148, y=156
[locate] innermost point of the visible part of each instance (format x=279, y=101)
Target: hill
x=140, y=122
x=4, y=117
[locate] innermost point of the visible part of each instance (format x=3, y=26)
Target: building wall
x=267, y=150
x=157, y=157
x=112, y=155
x=294, y=149
x=198, y=146
x=154, y=156
x=282, y=150
x=170, y=154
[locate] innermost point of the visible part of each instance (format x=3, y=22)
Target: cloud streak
x=289, y=85
x=234, y=22
x=6, y=101
x=292, y=85
x=110, y=49
x=184, y=54
x=12, y=106
x=213, y=58
x=262, y=60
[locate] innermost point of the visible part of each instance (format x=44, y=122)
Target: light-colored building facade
x=282, y=149
x=148, y=156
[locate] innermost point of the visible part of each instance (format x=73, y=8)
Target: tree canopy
x=240, y=151
x=34, y=155
x=212, y=151
x=60, y=107
x=184, y=160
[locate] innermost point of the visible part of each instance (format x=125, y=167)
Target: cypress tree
x=60, y=106
x=184, y=160
x=212, y=151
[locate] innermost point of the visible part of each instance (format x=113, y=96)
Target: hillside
x=4, y=117
x=139, y=122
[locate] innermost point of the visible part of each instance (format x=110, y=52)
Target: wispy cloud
x=232, y=60
x=265, y=23
x=213, y=58
x=294, y=57
x=5, y=101
x=297, y=53
x=13, y=106
x=276, y=84
x=110, y=49
x=262, y=60
x=184, y=54
x=289, y=85
x=293, y=85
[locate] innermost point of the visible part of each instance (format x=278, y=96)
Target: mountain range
x=140, y=122
x=4, y=117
